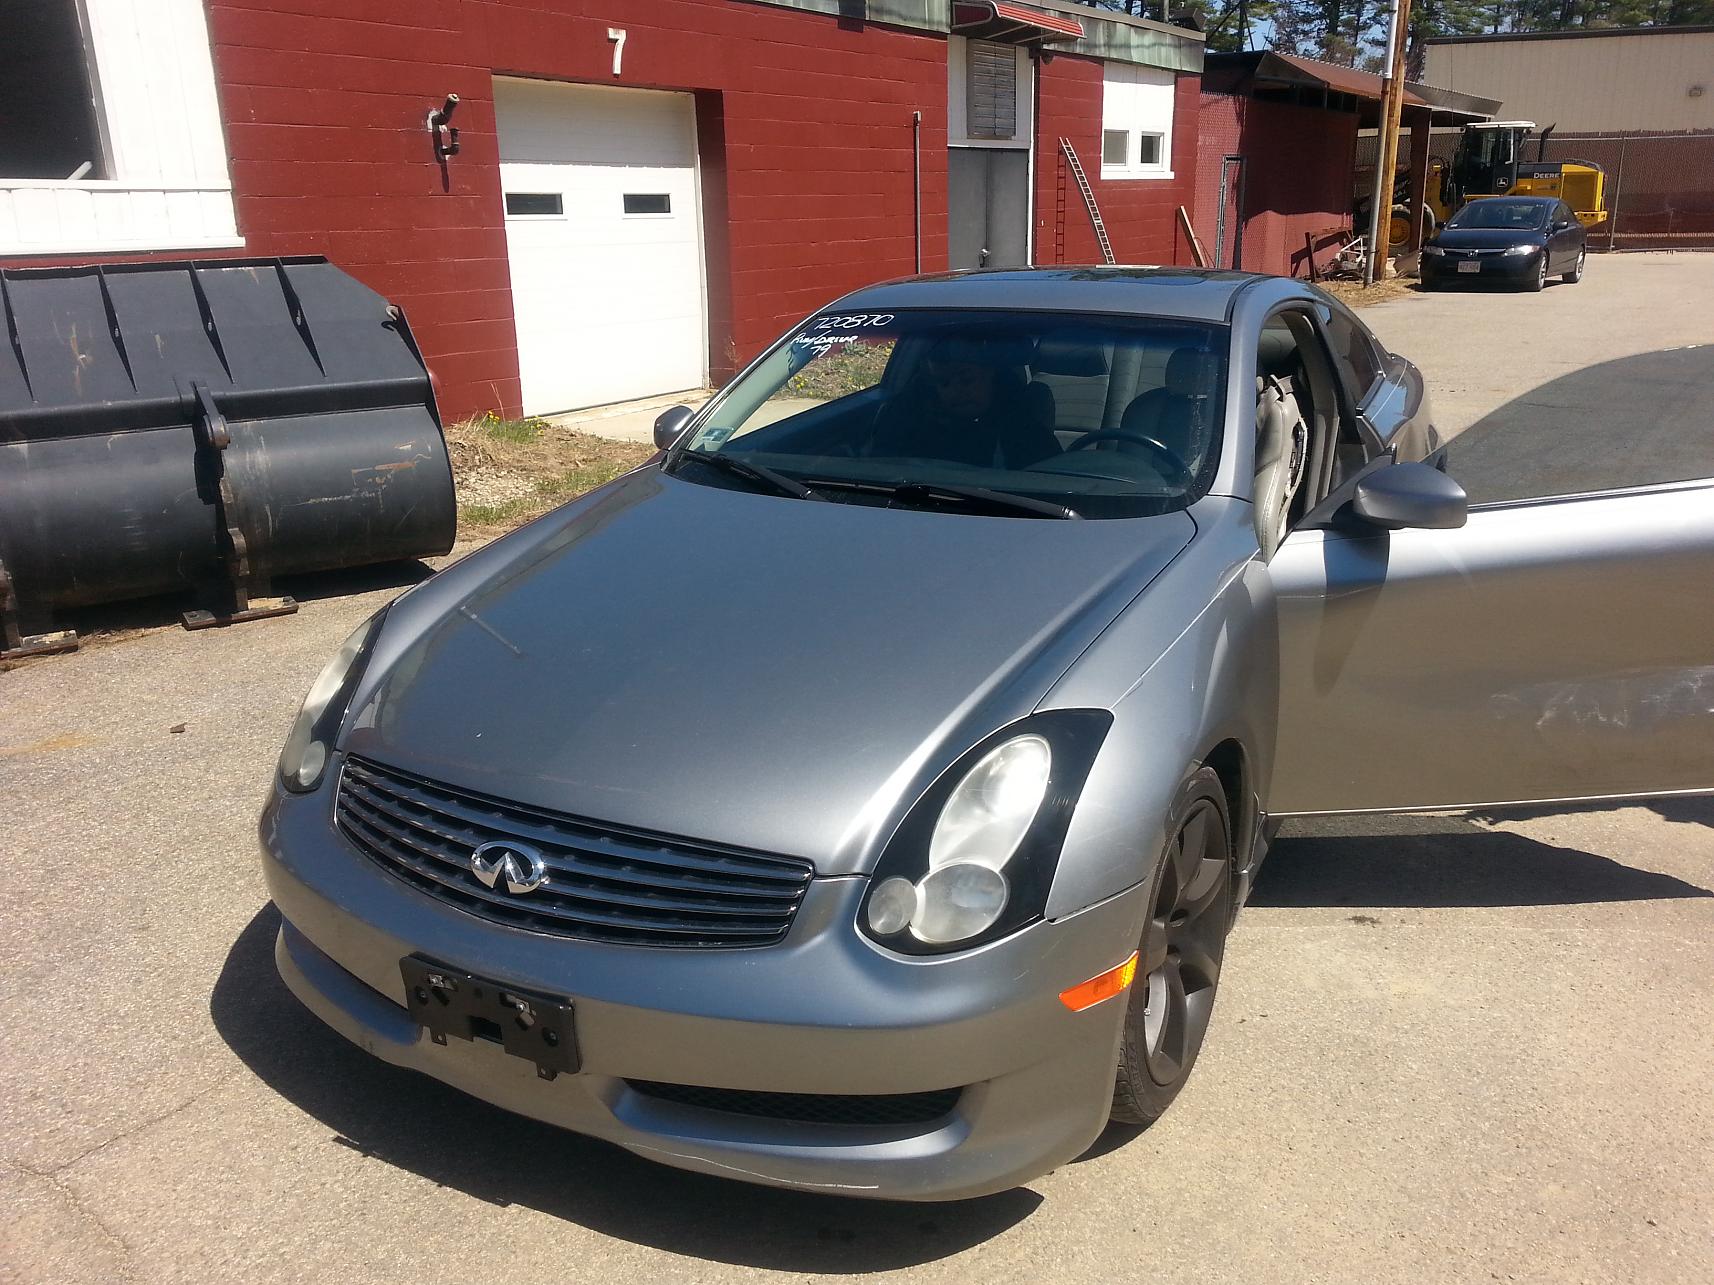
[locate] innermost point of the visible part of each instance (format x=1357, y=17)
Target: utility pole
x=1392, y=108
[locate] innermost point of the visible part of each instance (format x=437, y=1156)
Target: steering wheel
x=1179, y=472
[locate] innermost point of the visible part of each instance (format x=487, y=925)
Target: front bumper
x=823, y=1013
x=1493, y=268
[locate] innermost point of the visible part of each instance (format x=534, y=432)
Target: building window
x=539, y=205
x=1136, y=122
x=991, y=90
x=648, y=203
x=110, y=133
x=47, y=96
x=990, y=94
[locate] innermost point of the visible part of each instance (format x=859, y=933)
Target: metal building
x=1638, y=101
x=1624, y=79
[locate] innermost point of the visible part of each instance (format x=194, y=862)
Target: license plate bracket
x=1470, y=265
x=450, y=1002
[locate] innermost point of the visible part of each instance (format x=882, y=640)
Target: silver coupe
x=857, y=796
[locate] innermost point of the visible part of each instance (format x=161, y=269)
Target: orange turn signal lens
x=1104, y=986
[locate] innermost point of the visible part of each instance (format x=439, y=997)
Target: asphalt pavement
x=1446, y=1048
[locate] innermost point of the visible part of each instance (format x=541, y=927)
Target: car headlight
x=1433, y=250
x=308, y=746
x=975, y=857
x=1521, y=249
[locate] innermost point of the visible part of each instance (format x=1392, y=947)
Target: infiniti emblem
x=518, y=863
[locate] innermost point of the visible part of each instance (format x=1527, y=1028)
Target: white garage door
x=605, y=241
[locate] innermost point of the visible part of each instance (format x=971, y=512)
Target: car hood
x=1486, y=238
x=774, y=674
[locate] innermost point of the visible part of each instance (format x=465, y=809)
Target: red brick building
x=1278, y=143
x=642, y=195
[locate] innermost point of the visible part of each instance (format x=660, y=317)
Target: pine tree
x=1443, y=18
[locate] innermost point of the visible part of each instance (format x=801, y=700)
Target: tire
x=1178, y=965
x=1398, y=229
x=1539, y=280
x=1576, y=274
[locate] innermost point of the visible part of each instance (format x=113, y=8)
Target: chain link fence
x=1660, y=187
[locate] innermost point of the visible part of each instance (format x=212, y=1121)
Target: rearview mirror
x=1410, y=495
x=669, y=425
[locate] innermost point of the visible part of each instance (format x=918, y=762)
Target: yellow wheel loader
x=1489, y=162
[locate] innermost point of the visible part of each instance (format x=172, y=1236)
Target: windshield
x=1495, y=213
x=1102, y=416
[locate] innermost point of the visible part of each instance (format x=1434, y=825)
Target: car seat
x=1176, y=414
x=1282, y=450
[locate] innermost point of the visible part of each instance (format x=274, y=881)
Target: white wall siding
x=172, y=189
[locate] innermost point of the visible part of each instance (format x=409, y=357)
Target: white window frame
x=160, y=128
x=957, y=104
x=1137, y=101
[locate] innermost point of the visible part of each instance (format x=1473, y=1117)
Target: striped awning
x=1006, y=20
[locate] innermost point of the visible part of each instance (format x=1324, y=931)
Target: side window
x=1354, y=352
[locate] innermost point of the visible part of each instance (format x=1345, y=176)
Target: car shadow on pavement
x=1417, y=861
x=1683, y=809
x=415, y=1123
x=1632, y=421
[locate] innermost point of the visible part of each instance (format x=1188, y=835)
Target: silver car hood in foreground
x=744, y=669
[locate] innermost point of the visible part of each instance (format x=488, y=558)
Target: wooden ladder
x=1088, y=199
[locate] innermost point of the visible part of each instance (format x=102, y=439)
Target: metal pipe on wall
x=916, y=180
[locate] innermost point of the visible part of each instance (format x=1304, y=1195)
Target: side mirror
x=669, y=425
x=1410, y=495
x=1560, y=226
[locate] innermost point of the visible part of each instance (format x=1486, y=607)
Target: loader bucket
x=203, y=427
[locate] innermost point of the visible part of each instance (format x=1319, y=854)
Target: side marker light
x=1115, y=981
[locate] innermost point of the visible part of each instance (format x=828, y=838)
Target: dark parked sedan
x=1518, y=240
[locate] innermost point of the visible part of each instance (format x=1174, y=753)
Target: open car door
x=1546, y=650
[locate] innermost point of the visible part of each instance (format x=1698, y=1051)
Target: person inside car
x=968, y=406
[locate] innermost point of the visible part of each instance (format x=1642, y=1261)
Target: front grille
x=810, y=1108
x=602, y=884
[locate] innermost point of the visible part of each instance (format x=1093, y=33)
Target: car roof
x=1192, y=294
x=1524, y=198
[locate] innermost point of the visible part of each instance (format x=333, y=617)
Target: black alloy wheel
x=1576, y=274
x=1538, y=281
x=1178, y=962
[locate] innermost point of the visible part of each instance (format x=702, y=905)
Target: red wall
x=1297, y=178
x=324, y=102
x=1141, y=214
x=804, y=126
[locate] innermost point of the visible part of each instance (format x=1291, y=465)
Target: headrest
x=1276, y=353
x=1069, y=357
x=1190, y=372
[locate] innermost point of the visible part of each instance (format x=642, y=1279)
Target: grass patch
x=517, y=431
x=508, y=471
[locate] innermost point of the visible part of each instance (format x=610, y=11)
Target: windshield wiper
x=919, y=493
x=778, y=482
